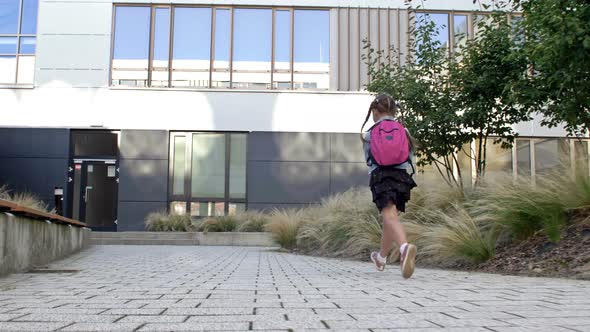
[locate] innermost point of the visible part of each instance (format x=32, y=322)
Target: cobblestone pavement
x=165, y=288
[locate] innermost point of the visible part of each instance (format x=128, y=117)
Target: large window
x=551, y=154
x=221, y=47
x=523, y=157
x=192, y=47
x=207, y=173
x=538, y=157
x=582, y=152
x=131, y=46
x=18, y=29
x=252, y=49
x=311, y=61
x=460, y=31
x=441, y=22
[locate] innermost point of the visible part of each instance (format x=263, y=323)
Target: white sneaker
x=408, y=260
x=378, y=260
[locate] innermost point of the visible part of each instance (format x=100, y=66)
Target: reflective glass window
x=192, y=47
x=131, y=46
x=221, y=75
x=523, y=156
x=9, y=12
x=208, y=166
x=551, y=154
x=29, y=18
x=161, y=47
x=311, y=59
x=252, y=48
x=282, y=73
x=460, y=32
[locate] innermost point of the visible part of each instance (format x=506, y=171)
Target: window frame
x=212, y=69
x=18, y=35
x=150, y=40
x=186, y=197
x=570, y=141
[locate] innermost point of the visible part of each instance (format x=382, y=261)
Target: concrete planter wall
x=26, y=243
x=184, y=238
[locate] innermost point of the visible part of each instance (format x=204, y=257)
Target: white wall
x=62, y=106
x=74, y=42
x=184, y=110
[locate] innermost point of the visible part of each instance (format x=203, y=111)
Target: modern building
x=207, y=107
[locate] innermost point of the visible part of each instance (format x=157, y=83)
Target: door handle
x=86, y=193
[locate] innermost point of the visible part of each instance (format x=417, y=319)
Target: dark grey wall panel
x=347, y=175
x=346, y=148
x=34, y=142
x=287, y=182
x=266, y=146
x=144, y=144
x=34, y=175
x=34, y=160
x=294, y=169
x=143, y=180
x=131, y=215
x=143, y=186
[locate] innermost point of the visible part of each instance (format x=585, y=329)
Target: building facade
x=208, y=107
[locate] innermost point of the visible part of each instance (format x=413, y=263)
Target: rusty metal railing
x=7, y=206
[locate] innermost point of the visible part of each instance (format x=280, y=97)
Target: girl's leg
x=392, y=230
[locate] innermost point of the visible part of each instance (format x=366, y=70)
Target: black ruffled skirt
x=391, y=185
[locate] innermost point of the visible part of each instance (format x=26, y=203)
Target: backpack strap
x=412, y=164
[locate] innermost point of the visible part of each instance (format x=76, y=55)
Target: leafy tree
x=428, y=105
x=558, y=48
x=483, y=80
x=452, y=100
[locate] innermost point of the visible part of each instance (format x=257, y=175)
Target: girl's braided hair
x=383, y=103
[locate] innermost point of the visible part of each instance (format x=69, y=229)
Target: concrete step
x=183, y=238
x=144, y=235
x=143, y=242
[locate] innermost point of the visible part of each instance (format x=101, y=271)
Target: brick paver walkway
x=159, y=288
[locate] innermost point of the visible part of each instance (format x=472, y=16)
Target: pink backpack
x=389, y=143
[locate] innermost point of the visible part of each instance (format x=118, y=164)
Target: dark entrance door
x=95, y=196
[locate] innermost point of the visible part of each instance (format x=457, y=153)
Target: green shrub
x=252, y=221
x=164, y=222
x=284, y=226
x=525, y=209
x=27, y=200
x=219, y=224
x=4, y=192
x=459, y=236
x=342, y=225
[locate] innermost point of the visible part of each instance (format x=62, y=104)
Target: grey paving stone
x=196, y=327
x=575, y=321
x=438, y=329
x=49, y=317
x=185, y=288
x=451, y=322
x=60, y=310
x=380, y=324
x=534, y=329
x=7, y=317
x=134, y=311
x=101, y=327
x=209, y=311
x=22, y=326
x=155, y=319
x=227, y=318
x=290, y=325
